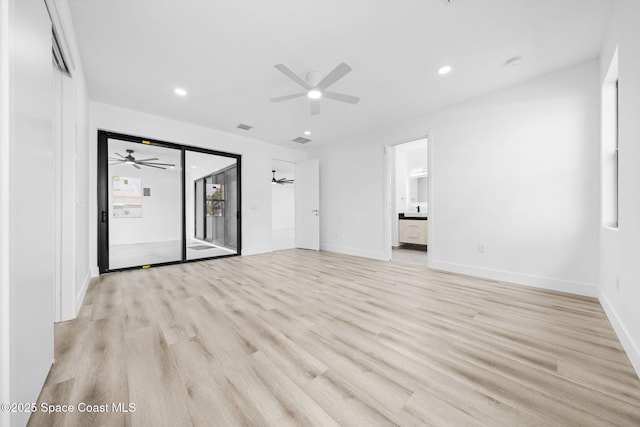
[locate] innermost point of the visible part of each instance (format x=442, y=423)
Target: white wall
x=619, y=253
x=256, y=166
x=28, y=255
x=161, y=219
x=513, y=170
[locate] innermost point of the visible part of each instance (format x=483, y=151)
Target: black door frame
x=103, y=196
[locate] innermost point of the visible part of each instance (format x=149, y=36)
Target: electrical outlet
x=481, y=249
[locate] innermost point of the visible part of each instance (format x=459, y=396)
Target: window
x=610, y=147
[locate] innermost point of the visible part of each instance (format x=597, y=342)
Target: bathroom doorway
x=408, y=201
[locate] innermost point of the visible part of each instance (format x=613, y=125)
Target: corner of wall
x=379, y=255
x=81, y=293
x=549, y=283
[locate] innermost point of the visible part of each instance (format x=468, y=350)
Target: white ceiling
x=223, y=52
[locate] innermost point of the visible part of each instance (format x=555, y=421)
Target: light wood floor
x=410, y=254
x=303, y=338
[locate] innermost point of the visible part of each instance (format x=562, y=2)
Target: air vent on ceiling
x=244, y=127
x=301, y=140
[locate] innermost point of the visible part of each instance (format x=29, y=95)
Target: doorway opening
x=408, y=171
x=283, y=205
x=295, y=205
x=162, y=203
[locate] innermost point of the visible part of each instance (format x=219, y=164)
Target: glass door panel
x=218, y=175
x=144, y=204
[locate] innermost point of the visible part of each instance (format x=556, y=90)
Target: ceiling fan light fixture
x=314, y=94
x=445, y=70
x=130, y=162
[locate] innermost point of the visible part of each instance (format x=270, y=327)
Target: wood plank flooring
x=299, y=338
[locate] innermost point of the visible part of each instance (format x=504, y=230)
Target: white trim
x=389, y=203
x=550, y=283
x=628, y=343
x=379, y=255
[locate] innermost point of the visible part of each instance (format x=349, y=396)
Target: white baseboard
x=550, y=283
x=356, y=252
x=628, y=343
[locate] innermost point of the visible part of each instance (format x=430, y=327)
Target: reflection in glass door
x=145, y=194
x=215, y=207
x=163, y=203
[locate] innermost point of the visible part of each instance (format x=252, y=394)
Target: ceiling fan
x=281, y=181
x=130, y=160
x=316, y=87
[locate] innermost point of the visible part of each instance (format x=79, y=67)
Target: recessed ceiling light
x=307, y=132
x=314, y=94
x=445, y=70
x=180, y=92
x=512, y=62
x=194, y=166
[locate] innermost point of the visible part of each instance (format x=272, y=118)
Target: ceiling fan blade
x=284, y=98
x=339, y=72
x=146, y=160
x=135, y=166
x=118, y=154
x=154, y=163
x=315, y=106
x=293, y=76
x=341, y=97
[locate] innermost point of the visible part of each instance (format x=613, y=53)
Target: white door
x=307, y=204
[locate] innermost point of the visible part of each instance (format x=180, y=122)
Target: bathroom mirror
x=419, y=190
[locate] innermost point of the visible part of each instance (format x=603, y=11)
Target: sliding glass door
x=162, y=203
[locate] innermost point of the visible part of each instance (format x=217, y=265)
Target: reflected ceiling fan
x=281, y=181
x=316, y=87
x=130, y=160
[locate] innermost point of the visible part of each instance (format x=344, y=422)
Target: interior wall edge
x=630, y=346
x=549, y=283
x=5, y=283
